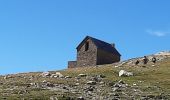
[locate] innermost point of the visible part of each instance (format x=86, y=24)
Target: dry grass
x=145, y=77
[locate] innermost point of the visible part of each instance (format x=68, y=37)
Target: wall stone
x=106, y=57
x=72, y=64
x=89, y=57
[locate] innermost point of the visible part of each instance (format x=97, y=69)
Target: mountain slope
x=150, y=81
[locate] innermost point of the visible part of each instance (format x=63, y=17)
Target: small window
x=86, y=46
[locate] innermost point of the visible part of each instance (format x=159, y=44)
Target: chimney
x=113, y=45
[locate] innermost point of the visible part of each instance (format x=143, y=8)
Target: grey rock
x=80, y=98
x=77, y=84
x=45, y=74
x=49, y=84
x=90, y=88
x=68, y=77
x=82, y=75
x=91, y=83
x=101, y=76
x=53, y=98
x=125, y=73
x=58, y=74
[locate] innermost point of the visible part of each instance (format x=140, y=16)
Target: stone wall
x=72, y=64
x=106, y=57
x=87, y=57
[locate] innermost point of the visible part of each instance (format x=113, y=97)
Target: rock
x=50, y=84
x=68, y=77
x=64, y=87
x=153, y=65
x=164, y=53
x=140, y=81
x=58, y=74
x=91, y=82
x=151, y=96
x=115, y=89
x=134, y=84
x=77, y=78
x=80, y=98
x=33, y=84
x=101, y=82
x=21, y=92
x=7, y=77
x=44, y=81
x=116, y=66
x=125, y=73
x=82, y=75
x=90, y=88
x=31, y=78
x=77, y=84
x=53, y=76
x=53, y=98
x=101, y=76
x=119, y=84
x=96, y=79
x=116, y=96
x=111, y=83
x=45, y=74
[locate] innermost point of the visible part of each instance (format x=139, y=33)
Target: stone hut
x=91, y=52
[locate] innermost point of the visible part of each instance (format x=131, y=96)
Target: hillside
x=149, y=81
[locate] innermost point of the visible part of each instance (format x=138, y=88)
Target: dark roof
x=100, y=45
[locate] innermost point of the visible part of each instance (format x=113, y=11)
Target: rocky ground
x=120, y=81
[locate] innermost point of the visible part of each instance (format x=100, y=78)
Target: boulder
x=82, y=75
x=53, y=76
x=163, y=53
x=33, y=84
x=68, y=77
x=115, y=89
x=125, y=73
x=80, y=98
x=49, y=84
x=117, y=86
x=101, y=76
x=53, y=98
x=77, y=84
x=7, y=77
x=90, y=88
x=91, y=82
x=45, y=74
x=44, y=81
x=96, y=79
x=116, y=66
x=58, y=74
x=101, y=82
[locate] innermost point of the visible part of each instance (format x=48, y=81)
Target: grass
x=146, y=78
x=158, y=75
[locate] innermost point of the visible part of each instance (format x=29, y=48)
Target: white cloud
x=157, y=33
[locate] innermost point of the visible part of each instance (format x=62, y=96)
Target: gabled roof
x=100, y=45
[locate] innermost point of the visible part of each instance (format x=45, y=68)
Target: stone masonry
x=91, y=52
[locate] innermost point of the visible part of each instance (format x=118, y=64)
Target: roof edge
x=87, y=37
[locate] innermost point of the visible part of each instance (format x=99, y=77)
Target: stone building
x=91, y=52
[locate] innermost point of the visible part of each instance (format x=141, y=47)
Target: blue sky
x=41, y=35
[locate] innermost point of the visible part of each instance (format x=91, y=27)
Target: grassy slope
x=158, y=75
x=145, y=77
